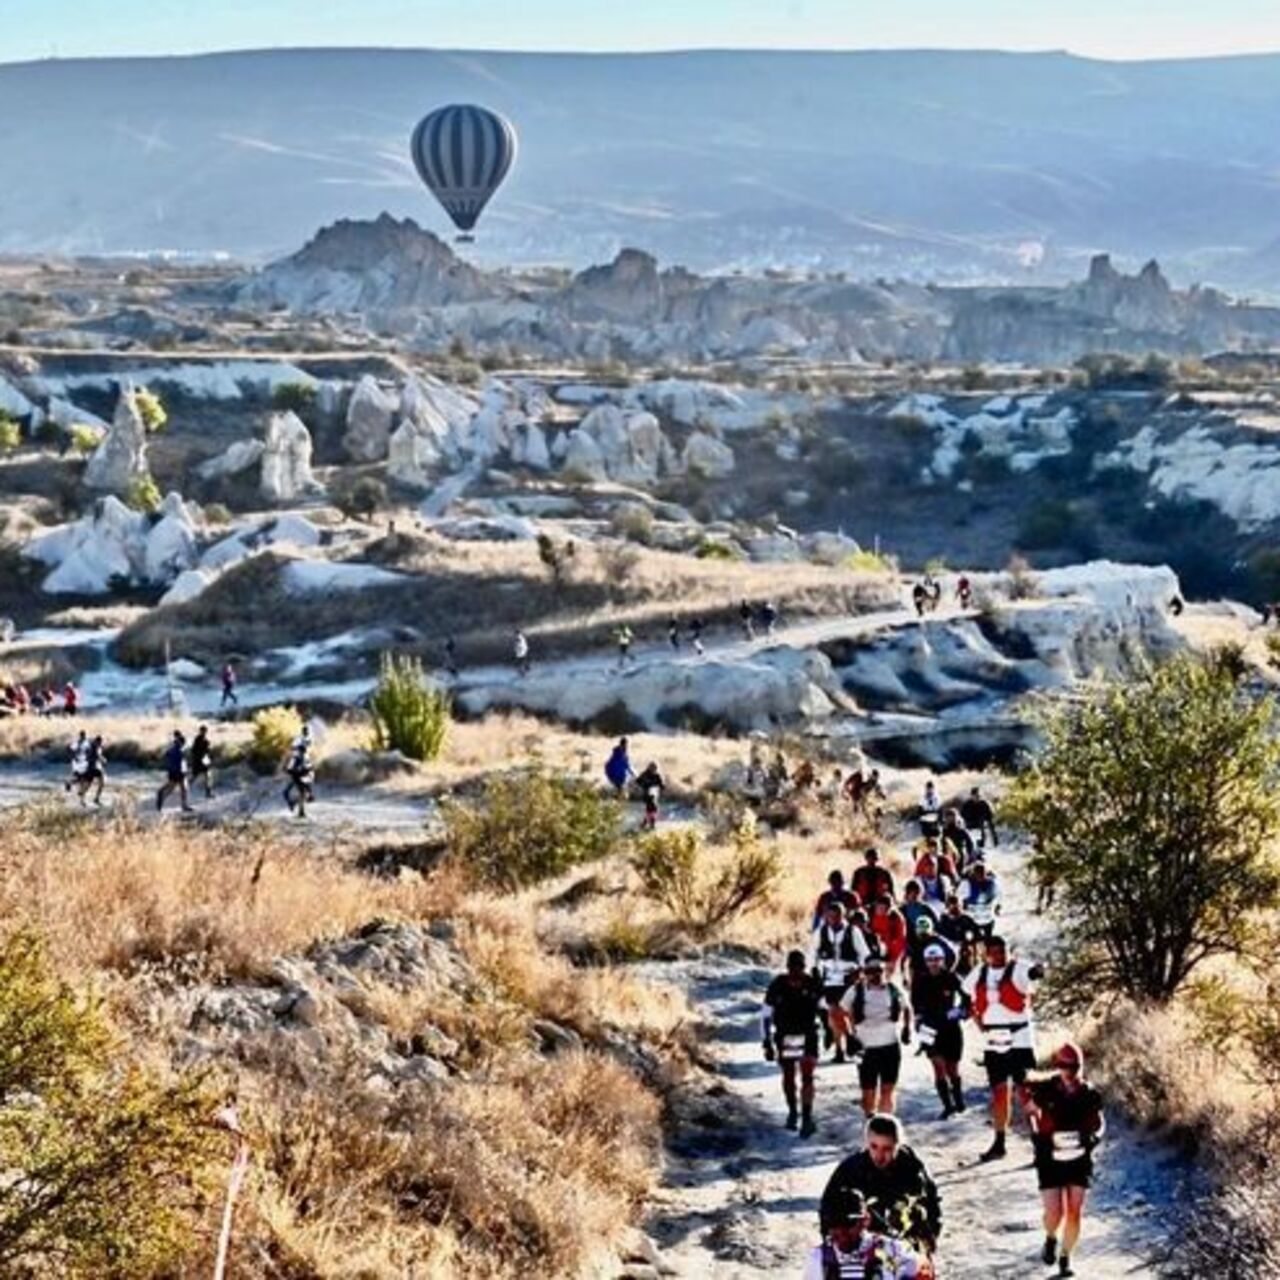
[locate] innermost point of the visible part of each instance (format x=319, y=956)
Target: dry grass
x=121, y=895
x=480, y=592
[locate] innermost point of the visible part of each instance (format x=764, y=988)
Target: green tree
x=144, y=495
x=105, y=1168
x=1154, y=807
x=409, y=715
x=10, y=433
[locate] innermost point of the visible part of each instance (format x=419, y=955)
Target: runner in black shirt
x=789, y=1028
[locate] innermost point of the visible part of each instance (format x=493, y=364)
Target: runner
x=901, y=1197
x=744, y=616
x=924, y=936
x=789, y=1028
x=301, y=774
x=695, y=637
x=1000, y=993
x=935, y=874
x=890, y=931
x=673, y=633
x=200, y=758
x=880, y=1017
x=229, y=685
x=768, y=617
x=837, y=953
x=79, y=755
x=957, y=843
x=940, y=1006
x=175, y=768
x=964, y=591
x=70, y=699
x=624, y=636
x=981, y=898
x=95, y=770
x=834, y=892
x=957, y=927
x=1067, y=1124
x=863, y=790
x=617, y=768
x=451, y=656
x=851, y=1251
x=920, y=598
x=520, y=651
x=651, y=786
x=978, y=816
x=871, y=880
x=914, y=907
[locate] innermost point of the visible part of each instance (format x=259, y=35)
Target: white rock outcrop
x=370, y=414
x=114, y=544
x=232, y=461
x=120, y=461
x=286, y=460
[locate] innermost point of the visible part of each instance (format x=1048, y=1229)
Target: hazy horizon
x=1100, y=30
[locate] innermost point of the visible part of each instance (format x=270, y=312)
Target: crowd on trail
x=17, y=699
x=884, y=968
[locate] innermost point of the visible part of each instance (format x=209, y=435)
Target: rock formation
x=370, y=414
x=286, y=460
x=120, y=461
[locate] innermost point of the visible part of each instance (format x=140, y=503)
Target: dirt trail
x=740, y=1199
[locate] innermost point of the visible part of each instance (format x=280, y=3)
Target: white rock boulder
x=370, y=414
x=120, y=461
x=232, y=461
x=286, y=460
x=708, y=457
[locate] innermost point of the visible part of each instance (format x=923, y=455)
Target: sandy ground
x=741, y=1200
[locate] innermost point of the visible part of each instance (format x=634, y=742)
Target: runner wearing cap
x=850, y=1251
x=1000, y=992
x=926, y=935
x=880, y=1017
x=940, y=1007
x=836, y=955
x=789, y=1029
x=1067, y=1124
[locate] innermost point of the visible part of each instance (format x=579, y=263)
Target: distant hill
x=956, y=165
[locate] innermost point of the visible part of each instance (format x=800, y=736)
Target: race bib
x=927, y=1035
x=792, y=1047
x=999, y=1040
x=1068, y=1146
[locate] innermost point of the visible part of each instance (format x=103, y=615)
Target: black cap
x=852, y=1208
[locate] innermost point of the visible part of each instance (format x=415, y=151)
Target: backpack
x=860, y=1002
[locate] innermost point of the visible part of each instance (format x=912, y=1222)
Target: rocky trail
x=741, y=1193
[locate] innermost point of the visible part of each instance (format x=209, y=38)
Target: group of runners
x=187, y=765
x=884, y=970
x=18, y=700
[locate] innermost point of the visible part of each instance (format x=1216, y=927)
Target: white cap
x=934, y=952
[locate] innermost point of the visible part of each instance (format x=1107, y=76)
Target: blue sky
x=1098, y=28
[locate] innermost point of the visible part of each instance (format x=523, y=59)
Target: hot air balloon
x=463, y=153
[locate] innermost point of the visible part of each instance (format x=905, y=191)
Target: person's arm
x=932, y=1207
x=766, y=1030
x=848, y=1002
x=833, y=1193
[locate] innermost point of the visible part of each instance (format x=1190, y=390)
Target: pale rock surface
x=370, y=413
x=234, y=459
x=286, y=532
x=286, y=460
x=121, y=459
x=708, y=457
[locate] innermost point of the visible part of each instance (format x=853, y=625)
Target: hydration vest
x=1006, y=990
x=827, y=945
x=860, y=1002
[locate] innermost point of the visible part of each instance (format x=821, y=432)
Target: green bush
x=633, y=521
x=409, y=715
x=710, y=549
x=144, y=495
x=104, y=1168
x=530, y=826
x=671, y=869
x=294, y=397
x=84, y=439
x=1053, y=523
x=362, y=498
x=1153, y=810
x=274, y=729
x=10, y=433
x=868, y=562
x=152, y=412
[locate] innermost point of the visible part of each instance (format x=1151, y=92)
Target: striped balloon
x=463, y=153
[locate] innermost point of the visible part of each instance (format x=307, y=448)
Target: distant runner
x=200, y=760
x=880, y=1017
x=623, y=637
x=229, y=685
x=79, y=757
x=977, y=815
x=838, y=951
x=617, y=769
x=651, y=786
x=789, y=1029
x=940, y=1007
x=301, y=773
x=175, y=768
x=520, y=652
x=95, y=770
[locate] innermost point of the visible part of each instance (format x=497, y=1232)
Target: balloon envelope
x=463, y=153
